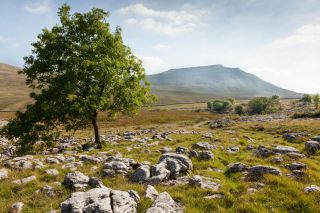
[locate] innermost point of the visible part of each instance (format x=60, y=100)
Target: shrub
x=220, y=105
x=306, y=98
x=316, y=101
x=263, y=105
x=239, y=110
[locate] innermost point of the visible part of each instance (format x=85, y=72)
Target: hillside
x=202, y=83
x=195, y=84
x=14, y=94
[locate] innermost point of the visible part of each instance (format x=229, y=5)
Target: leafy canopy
x=263, y=105
x=220, y=105
x=78, y=68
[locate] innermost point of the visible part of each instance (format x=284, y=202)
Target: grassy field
x=279, y=193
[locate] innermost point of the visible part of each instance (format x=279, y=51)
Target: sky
x=277, y=40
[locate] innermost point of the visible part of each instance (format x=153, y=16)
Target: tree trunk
x=96, y=129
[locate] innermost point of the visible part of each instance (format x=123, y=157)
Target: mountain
x=194, y=84
x=14, y=94
x=202, y=83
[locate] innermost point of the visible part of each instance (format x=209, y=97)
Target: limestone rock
x=237, y=167
x=203, y=145
x=204, y=182
x=164, y=204
x=16, y=207
x=206, y=155
x=3, y=173
x=256, y=172
x=122, y=202
x=312, y=188
x=151, y=192
x=52, y=172
x=141, y=175
x=76, y=180
x=284, y=149
x=94, y=200
x=312, y=146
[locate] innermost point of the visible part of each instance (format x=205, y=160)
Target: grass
x=280, y=194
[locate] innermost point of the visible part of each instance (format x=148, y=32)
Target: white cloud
x=39, y=7
x=292, y=61
x=172, y=22
x=153, y=64
x=161, y=47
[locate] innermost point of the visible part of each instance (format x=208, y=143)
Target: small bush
x=307, y=115
x=306, y=98
x=263, y=105
x=220, y=105
x=239, y=110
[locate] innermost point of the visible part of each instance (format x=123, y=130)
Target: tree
x=316, y=100
x=239, y=110
x=78, y=69
x=306, y=98
x=263, y=105
x=220, y=106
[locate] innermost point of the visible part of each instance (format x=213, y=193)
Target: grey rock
x=76, y=180
x=92, y=159
x=203, y=145
x=51, y=160
x=122, y=202
x=206, y=155
x=193, y=154
x=316, y=138
x=312, y=188
x=237, y=167
x=295, y=155
x=291, y=137
x=263, y=152
x=159, y=173
x=164, y=204
x=177, y=164
x=151, y=192
x=284, y=149
x=276, y=160
x=3, y=173
x=166, y=149
x=16, y=207
x=256, y=172
x=214, y=196
x=94, y=200
x=24, y=162
x=233, y=149
x=28, y=179
x=141, y=175
x=312, y=146
x=52, y=172
x=204, y=182
x=296, y=166
x=181, y=150
x=49, y=191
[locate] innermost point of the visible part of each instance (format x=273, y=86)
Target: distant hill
x=196, y=84
x=14, y=94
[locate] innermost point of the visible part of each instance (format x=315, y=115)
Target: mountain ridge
x=214, y=81
x=181, y=85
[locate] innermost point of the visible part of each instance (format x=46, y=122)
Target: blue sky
x=277, y=40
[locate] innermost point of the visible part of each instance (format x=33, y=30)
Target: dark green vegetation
x=221, y=105
x=77, y=69
x=197, y=84
x=263, y=105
